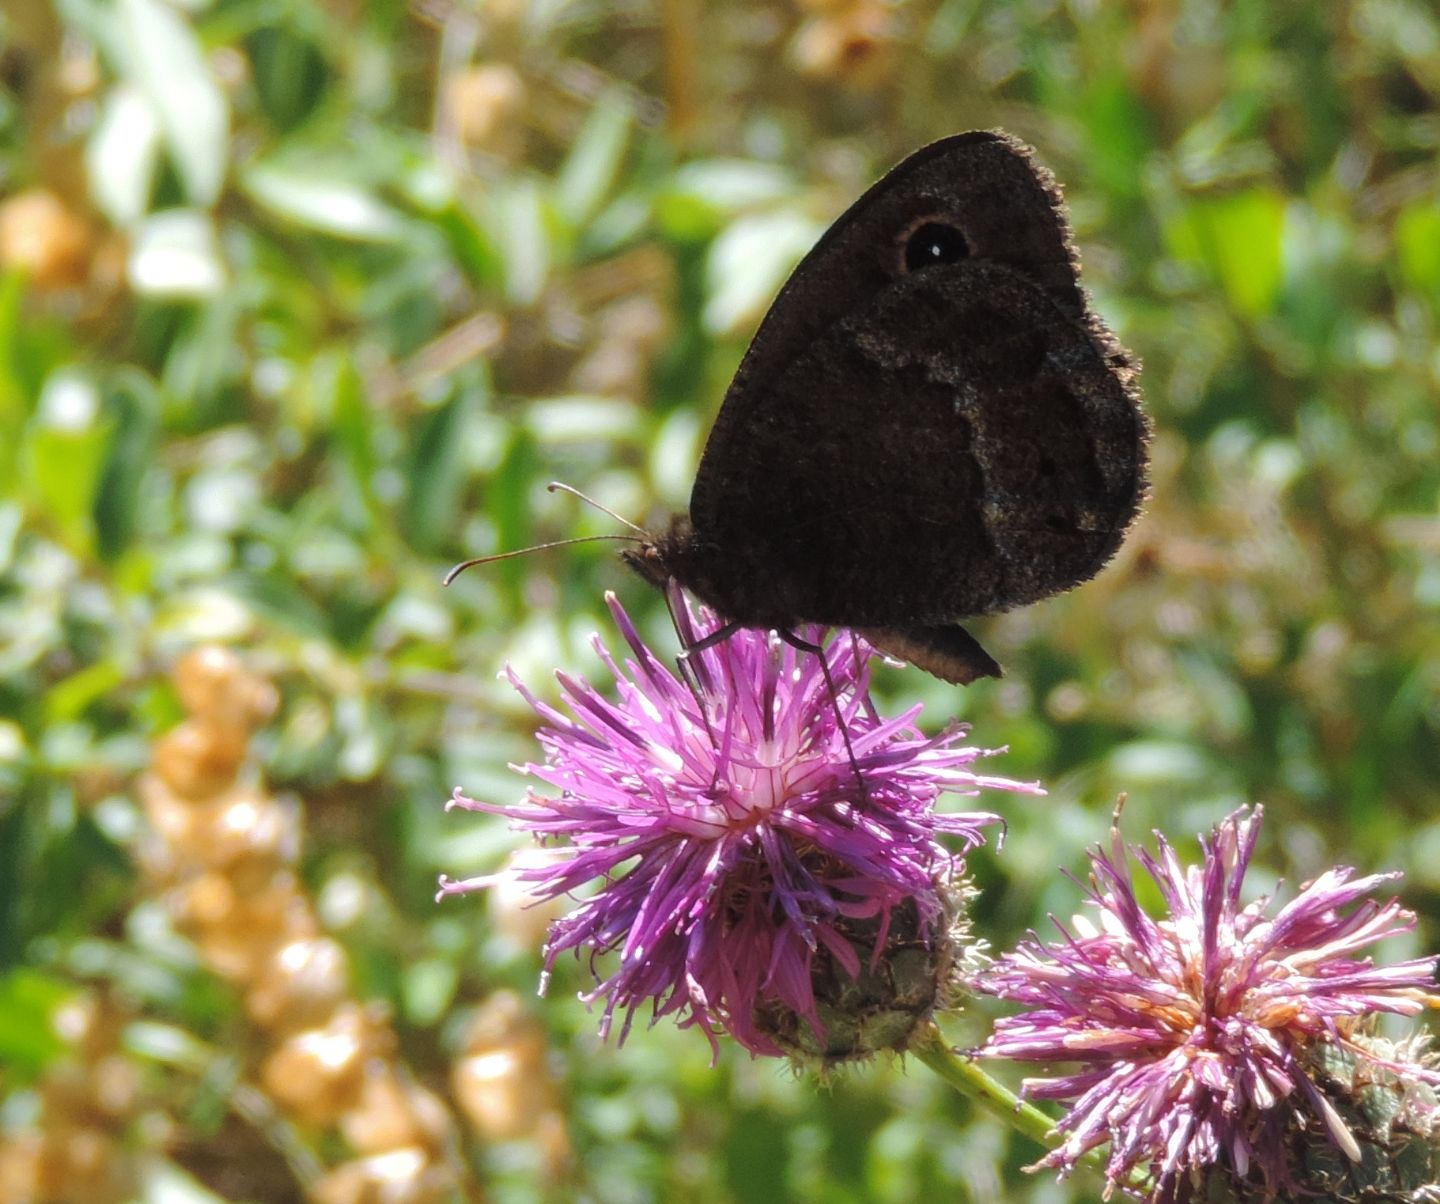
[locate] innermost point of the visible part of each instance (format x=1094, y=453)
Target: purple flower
x=732, y=856
x=1194, y=1033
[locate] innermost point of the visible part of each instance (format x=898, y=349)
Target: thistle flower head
x=734, y=859
x=1194, y=1032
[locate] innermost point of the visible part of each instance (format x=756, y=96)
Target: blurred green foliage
x=324, y=291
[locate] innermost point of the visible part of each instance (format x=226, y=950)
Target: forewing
x=986, y=184
x=957, y=444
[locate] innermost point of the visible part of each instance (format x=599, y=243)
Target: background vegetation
x=305, y=300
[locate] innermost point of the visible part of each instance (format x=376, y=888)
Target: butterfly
x=930, y=424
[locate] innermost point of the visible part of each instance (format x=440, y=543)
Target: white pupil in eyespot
x=934, y=243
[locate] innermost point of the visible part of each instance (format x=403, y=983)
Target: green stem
x=965, y=1075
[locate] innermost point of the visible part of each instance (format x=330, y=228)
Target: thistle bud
x=880, y=992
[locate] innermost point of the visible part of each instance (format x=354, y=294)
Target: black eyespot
x=933, y=244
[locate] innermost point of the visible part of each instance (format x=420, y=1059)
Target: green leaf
x=518, y=224
x=135, y=404
x=201, y=359
x=1119, y=124
x=28, y=1003
x=312, y=196
x=703, y=194
x=1417, y=244
x=165, y=62
x=12, y=387
x=290, y=74
x=470, y=243
x=12, y=517
x=428, y=989
x=163, y=1182
x=1239, y=237
x=749, y=262
x=168, y=1045
x=1158, y=760
x=732, y=185
x=594, y=161
x=354, y=433
x=67, y=700
x=510, y=503
x=437, y=475
x=122, y=154
x=64, y=452
x=584, y=419
x=175, y=254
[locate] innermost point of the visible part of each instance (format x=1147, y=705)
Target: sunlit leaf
x=748, y=263
x=68, y=699
x=582, y=419
x=12, y=390
x=1120, y=134
x=590, y=170
x=167, y=64
x=163, y=1182
x=1238, y=236
x=122, y=154
x=64, y=452
x=1417, y=243
x=28, y=1002
x=471, y=243
x=175, y=254
x=310, y=196
x=730, y=185
x=519, y=227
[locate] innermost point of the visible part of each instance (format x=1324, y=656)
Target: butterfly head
x=681, y=555
x=667, y=556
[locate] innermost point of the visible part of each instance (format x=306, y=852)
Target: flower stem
x=965, y=1075
x=969, y=1080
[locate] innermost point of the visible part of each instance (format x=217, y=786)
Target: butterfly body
x=929, y=424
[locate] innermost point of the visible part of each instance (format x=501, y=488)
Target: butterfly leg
x=690, y=670
x=804, y=645
x=694, y=670
x=694, y=674
x=718, y=636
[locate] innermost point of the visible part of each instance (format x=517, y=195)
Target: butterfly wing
x=987, y=183
x=901, y=448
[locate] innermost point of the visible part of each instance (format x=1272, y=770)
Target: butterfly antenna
x=539, y=547
x=570, y=489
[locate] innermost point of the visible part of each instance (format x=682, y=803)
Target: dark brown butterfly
x=930, y=423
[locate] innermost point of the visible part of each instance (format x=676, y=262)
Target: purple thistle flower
x=1195, y=1032
x=735, y=862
